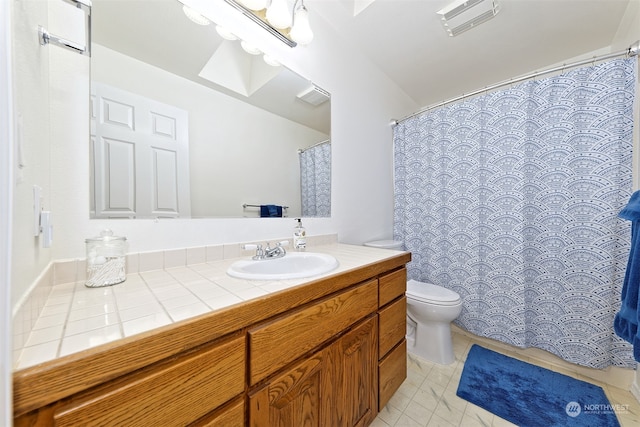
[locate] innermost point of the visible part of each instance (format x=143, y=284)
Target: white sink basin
x=294, y=265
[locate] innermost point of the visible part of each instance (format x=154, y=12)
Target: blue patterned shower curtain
x=511, y=200
x=315, y=181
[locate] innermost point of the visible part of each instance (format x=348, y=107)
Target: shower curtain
x=315, y=180
x=511, y=200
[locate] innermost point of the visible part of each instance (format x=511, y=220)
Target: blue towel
x=270, y=211
x=626, y=321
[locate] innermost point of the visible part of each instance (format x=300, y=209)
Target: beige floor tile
x=379, y=423
x=470, y=421
x=437, y=421
x=475, y=412
x=418, y=413
x=500, y=422
x=428, y=397
x=407, y=421
x=389, y=415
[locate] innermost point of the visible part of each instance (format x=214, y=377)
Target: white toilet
x=430, y=311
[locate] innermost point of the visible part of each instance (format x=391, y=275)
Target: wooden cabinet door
x=336, y=387
x=295, y=398
x=354, y=373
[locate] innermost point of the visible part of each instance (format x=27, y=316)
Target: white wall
x=31, y=100
x=237, y=152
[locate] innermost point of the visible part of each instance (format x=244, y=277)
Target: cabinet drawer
x=392, y=372
x=176, y=393
x=392, y=286
x=393, y=325
x=274, y=345
x=231, y=415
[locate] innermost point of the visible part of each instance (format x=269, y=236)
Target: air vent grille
x=462, y=15
x=314, y=95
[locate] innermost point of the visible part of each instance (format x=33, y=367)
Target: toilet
x=430, y=311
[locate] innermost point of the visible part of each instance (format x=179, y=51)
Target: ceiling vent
x=462, y=15
x=314, y=95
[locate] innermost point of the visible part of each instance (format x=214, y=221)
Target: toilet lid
x=428, y=292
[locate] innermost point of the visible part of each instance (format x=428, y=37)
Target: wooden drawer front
x=392, y=372
x=232, y=415
x=274, y=345
x=174, y=394
x=393, y=325
x=392, y=286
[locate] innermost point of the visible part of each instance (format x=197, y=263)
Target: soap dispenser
x=299, y=236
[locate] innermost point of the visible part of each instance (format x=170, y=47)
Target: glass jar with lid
x=106, y=260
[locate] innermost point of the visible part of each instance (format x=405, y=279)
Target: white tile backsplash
x=196, y=255
x=149, y=261
x=175, y=258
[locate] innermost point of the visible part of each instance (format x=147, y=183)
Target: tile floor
x=428, y=398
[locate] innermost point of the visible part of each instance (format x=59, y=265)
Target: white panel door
x=140, y=156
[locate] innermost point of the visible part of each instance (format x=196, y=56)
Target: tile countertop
x=76, y=317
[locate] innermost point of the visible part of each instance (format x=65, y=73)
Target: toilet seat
x=432, y=294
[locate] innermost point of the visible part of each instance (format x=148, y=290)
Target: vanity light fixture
x=462, y=15
x=195, y=16
x=289, y=25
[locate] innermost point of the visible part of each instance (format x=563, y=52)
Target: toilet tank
x=385, y=244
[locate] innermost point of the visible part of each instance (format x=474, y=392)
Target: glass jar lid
x=106, y=235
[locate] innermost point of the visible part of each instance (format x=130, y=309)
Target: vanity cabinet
x=325, y=353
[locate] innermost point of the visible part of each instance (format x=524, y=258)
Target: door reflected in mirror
x=186, y=124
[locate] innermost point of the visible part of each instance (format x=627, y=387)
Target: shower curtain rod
x=302, y=150
x=633, y=50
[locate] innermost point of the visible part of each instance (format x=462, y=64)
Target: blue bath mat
x=531, y=396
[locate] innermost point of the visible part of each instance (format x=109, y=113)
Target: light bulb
x=278, y=14
x=301, y=31
x=249, y=48
x=269, y=60
x=255, y=4
x=195, y=16
x=225, y=34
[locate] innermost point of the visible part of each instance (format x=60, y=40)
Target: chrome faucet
x=277, y=251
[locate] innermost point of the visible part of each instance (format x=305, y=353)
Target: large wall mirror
x=186, y=123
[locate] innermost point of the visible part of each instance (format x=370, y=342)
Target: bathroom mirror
x=185, y=123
